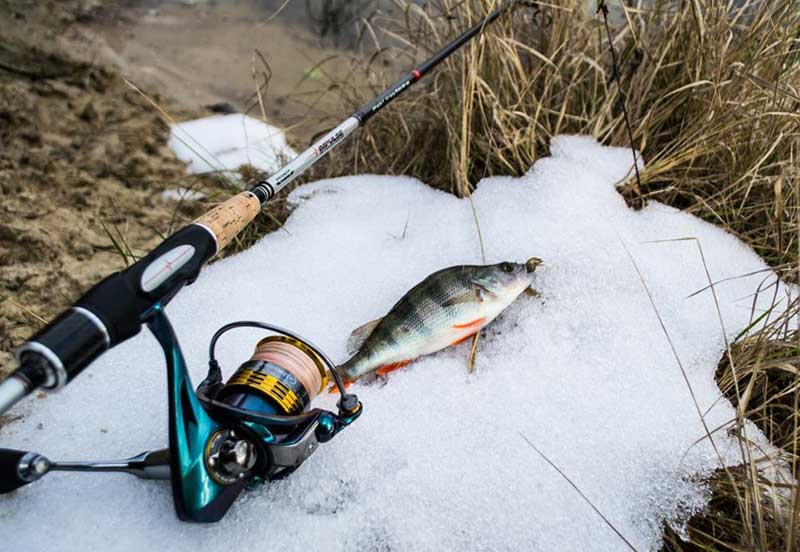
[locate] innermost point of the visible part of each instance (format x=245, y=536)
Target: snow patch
x=182, y=194
x=225, y=142
x=437, y=461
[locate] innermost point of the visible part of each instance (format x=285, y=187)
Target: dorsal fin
x=360, y=335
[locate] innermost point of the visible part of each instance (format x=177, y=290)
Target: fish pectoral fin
x=476, y=324
x=483, y=289
x=360, y=335
x=530, y=292
x=470, y=296
x=389, y=368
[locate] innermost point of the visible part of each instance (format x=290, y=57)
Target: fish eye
x=506, y=267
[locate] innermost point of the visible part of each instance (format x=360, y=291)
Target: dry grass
x=713, y=92
x=713, y=97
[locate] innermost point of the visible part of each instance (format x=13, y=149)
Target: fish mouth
x=532, y=263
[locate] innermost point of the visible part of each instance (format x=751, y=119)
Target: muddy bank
x=209, y=52
x=83, y=158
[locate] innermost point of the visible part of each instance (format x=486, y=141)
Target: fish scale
x=447, y=307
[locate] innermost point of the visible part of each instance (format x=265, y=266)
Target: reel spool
x=277, y=383
x=283, y=374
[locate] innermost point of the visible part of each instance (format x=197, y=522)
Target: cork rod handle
x=229, y=218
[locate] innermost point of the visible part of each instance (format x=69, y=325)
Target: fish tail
x=348, y=369
x=347, y=372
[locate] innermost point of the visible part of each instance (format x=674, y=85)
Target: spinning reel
x=223, y=437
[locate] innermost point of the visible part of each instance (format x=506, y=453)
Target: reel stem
x=147, y=465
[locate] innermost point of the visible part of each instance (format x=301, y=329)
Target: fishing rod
x=255, y=427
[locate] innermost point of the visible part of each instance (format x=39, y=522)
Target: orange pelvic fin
x=475, y=324
x=463, y=339
x=389, y=368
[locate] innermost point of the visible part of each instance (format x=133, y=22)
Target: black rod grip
x=113, y=310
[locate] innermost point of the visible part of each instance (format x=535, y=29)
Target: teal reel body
x=216, y=448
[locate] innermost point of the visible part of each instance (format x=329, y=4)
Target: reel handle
x=20, y=467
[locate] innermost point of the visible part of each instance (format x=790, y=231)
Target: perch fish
x=446, y=308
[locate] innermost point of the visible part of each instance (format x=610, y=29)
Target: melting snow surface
x=225, y=142
x=437, y=461
x=182, y=194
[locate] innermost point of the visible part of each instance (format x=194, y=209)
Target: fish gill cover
x=437, y=461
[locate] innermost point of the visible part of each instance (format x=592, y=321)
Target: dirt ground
x=208, y=52
x=83, y=158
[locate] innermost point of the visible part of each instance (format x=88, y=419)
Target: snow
x=182, y=194
x=225, y=142
x=437, y=461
